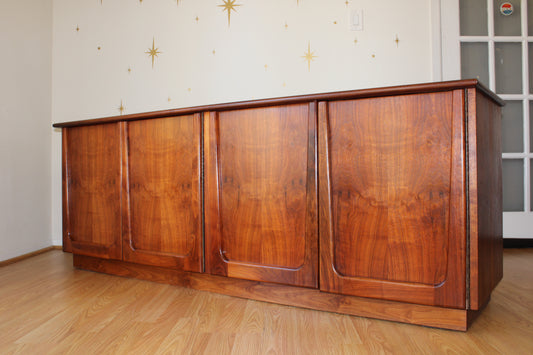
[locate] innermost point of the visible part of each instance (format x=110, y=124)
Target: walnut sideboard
x=382, y=203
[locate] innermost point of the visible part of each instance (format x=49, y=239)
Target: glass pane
x=531, y=129
x=513, y=127
x=475, y=61
x=531, y=183
x=473, y=17
x=513, y=185
x=507, y=25
x=530, y=17
x=530, y=64
x=508, y=65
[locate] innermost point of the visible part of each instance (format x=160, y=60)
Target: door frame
x=446, y=33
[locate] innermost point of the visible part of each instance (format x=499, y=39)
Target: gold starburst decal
x=153, y=52
x=309, y=56
x=229, y=5
x=121, y=108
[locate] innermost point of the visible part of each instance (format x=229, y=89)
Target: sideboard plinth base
x=438, y=317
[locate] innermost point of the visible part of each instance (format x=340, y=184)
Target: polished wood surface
x=92, y=190
x=261, y=194
x=163, y=204
x=47, y=307
x=393, y=198
x=486, y=243
x=401, y=184
x=290, y=100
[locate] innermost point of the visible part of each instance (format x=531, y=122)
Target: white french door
x=481, y=39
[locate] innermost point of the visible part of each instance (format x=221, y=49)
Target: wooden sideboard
x=383, y=203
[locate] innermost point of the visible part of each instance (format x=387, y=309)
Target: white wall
x=207, y=61
x=25, y=135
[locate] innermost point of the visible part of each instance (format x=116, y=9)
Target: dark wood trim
x=65, y=175
x=484, y=175
x=311, y=220
x=340, y=95
x=29, y=255
x=448, y=318
x=518, y=242
x=213, y=262
x=125, y=207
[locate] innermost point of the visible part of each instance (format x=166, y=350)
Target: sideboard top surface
x=339, y=95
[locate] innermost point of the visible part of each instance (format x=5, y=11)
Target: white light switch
x=356, y=20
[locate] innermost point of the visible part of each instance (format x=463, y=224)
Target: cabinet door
x=261, y=194
x=163, y=226
x=392, y=198
x=91, y=190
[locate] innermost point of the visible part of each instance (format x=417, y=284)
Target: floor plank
x=48, y=307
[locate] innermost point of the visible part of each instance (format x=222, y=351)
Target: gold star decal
x=347, y=3
x=355, y=41
x=309, y=56
x=153, y=52
x=121, y=108
x=266, y=67
x=77, y=28
x=397, y=40
x=286, y=26
x=214, y=52
x=229, y=5
x=129, y=70
x=197, y=19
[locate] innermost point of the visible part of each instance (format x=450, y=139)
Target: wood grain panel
x=485, y=198
x=92, y=190
x=164, y=200
x=261, y=211
x=393, y=198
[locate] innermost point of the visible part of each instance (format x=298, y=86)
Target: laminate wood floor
x=48, y=307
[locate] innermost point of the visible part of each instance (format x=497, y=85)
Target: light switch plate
x=356, y=20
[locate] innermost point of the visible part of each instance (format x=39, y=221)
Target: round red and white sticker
x=506, y=8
